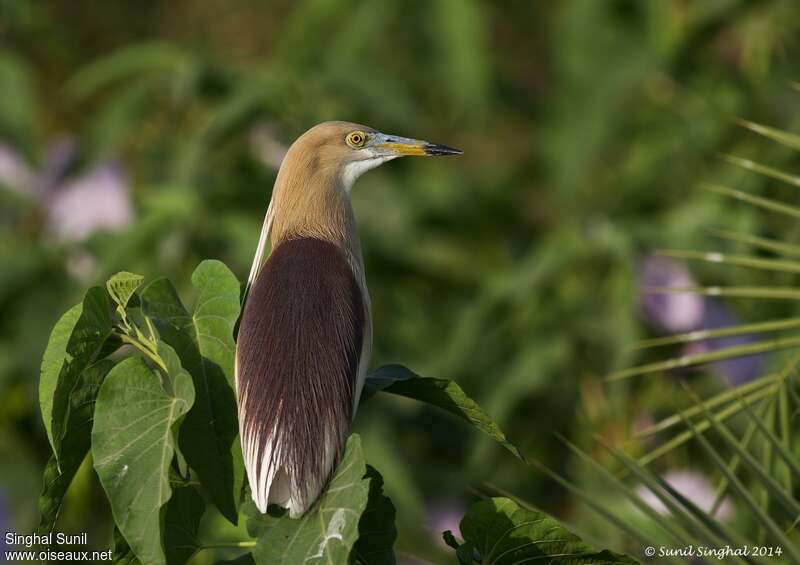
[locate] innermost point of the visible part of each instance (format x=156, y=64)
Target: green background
x=586, y=126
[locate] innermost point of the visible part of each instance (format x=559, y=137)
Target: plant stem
x=141, y=347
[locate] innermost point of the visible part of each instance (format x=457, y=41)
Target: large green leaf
x=54, y=360
x=133, y=446
x=122, y=551
x=376, y=529
x=504, y=533
x=442, y=393
x=205, y=344
x=75, y=444
x=327, y=532
x=88, y=342
x=181, y=524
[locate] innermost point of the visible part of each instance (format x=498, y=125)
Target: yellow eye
x=356, y=139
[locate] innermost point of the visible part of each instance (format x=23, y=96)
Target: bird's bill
x=404, y=146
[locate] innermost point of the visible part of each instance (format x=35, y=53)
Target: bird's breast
x=298, y=357
x=305, y=312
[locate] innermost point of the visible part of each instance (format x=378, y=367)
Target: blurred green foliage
x=586, y=127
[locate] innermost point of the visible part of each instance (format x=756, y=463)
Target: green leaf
x=376, y=529
x=752, y=262
x=702, y=358
x=181, y=524
x=784, y=137
x=54, y=360
x=122, y=551
x=787, y=457
x=442, y=393
x=727, y=412
x=122, y=285
x=327, y=532
x=759, y=515
x=702, y=335
x=88, y=342
x=674, y=531
x=505, y=533
x=465, y=552
x=205, y=343
x=765, y=385
x=758, y=201
x=133, y=446
x=599, y=506
x=786, y=430
x=771, y=172
x=75, y=444
x=733, y=465
x=691, y=518
x=760, y=473
x=774, y=245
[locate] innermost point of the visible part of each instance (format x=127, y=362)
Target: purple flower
x=443, y=517
x=676, y=313
x=98, y=200
x=61, y=155
x=15, y=174
x=738, y=370
x=669, y=312
x=78, y=206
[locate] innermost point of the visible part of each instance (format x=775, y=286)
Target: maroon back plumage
x=298, y=352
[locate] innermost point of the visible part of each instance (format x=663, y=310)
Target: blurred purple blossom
x=61, y=155
x=96, y=201
x=78, y=205
x=443, y=517
x=695, y=487
x=678, y=313
x=735, y=371
x=15, y=174
x=669, y=312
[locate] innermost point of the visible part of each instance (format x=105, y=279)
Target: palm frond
x=753, y=391
x=764, y=243
x=758, y=201
x=770, y=172
x=674, y=531
x=710, y=357
x=735, y=260
x=767, y=292
x=782, y=137
x=760, y=471
x=764, y=519
x=731, y=331
x=753, y=447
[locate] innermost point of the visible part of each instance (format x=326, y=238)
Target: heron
x=305, y=335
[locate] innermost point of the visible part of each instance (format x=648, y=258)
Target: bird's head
x=347, y=150
x=311, y=196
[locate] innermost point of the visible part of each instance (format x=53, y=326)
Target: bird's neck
x=316, y=207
